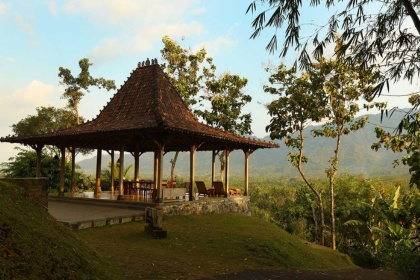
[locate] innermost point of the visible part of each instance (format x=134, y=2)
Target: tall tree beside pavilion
x=329, y=91
x=75, y=86
x=383, y=35
x=218, y=100
x=300, y=102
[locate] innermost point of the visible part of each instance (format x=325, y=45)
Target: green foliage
x=23, y=165
x=371, y=35
x=47, y=119
x=219, y=101
x=370, y=31
x=188, y=71
x=289, y=208
x=194, y=76
x=329, y=91
x=227, y=100
x=75, y=86
x=106, y=175
x=375, y=220
x=406, y=138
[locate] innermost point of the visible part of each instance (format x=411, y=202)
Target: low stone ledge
x=206, y=206
x=104, y=222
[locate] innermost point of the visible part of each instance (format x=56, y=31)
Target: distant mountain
x=356, y=157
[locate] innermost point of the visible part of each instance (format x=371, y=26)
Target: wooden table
x=145, y=186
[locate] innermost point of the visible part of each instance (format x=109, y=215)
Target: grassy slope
x=199, y=246
x=196, y=246
x=42, y=248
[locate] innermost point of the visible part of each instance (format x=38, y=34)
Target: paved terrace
x=84, y=210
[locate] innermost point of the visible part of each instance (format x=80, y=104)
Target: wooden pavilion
x=145, y=115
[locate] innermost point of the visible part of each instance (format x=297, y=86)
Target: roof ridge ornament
x=147, y=62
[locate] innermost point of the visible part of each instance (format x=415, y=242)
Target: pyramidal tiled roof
x=146, y=100
x=147, y=108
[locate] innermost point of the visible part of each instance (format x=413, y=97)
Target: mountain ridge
x=356, y=156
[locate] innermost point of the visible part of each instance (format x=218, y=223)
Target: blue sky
x=40, y=36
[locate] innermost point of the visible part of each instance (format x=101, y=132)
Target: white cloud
x=27, y=27
x=141, y=24
x=111, y=11
x=23, y=102
x=34, y=94
x=219, y=44
x=108, y=49
x=52, y=6
x=3, y=8
x=142, y=40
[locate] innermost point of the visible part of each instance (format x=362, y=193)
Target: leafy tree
x=329, y=91
x=404, y=139
x=187, y=70
x=379, y=34
x=344, y=86
x=23, y=165
x=227, y=100
x=75, y=86
x=300, y=102
x=373, y=31
x=193, y=74
x=47, y=119
x=106, y=175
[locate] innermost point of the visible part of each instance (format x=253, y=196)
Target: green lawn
x=199, y=246
x=38, y=247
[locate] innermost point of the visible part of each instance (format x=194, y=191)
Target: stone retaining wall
x=36, y=188
x=235, y=204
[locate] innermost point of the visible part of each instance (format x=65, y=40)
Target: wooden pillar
x=213, y=167
x=121, y=179
x=159, y=173
x=112, y=171
x=73, y=167
x=98, y=190
x=62, y=170
x=246, y=174
x=136, y=165
x=155, y=169
x=38, y=149
x=192, y=173
x=227, y=163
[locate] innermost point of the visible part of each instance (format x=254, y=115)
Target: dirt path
x=309, y=275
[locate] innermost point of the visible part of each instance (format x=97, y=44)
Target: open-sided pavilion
x=145, y=115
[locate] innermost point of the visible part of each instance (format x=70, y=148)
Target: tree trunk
x=410, y=10
x=333, y=244
x=322, y=219
x=222, y=166
x=77, y=115
x=317, y=193
x=173, y=163
x=333, y=172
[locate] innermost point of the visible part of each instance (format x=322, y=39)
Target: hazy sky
x=40, y=36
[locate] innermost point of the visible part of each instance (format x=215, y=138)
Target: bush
x=405, y=262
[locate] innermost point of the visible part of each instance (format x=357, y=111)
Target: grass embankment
x=197, y=246
x=38, y=247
